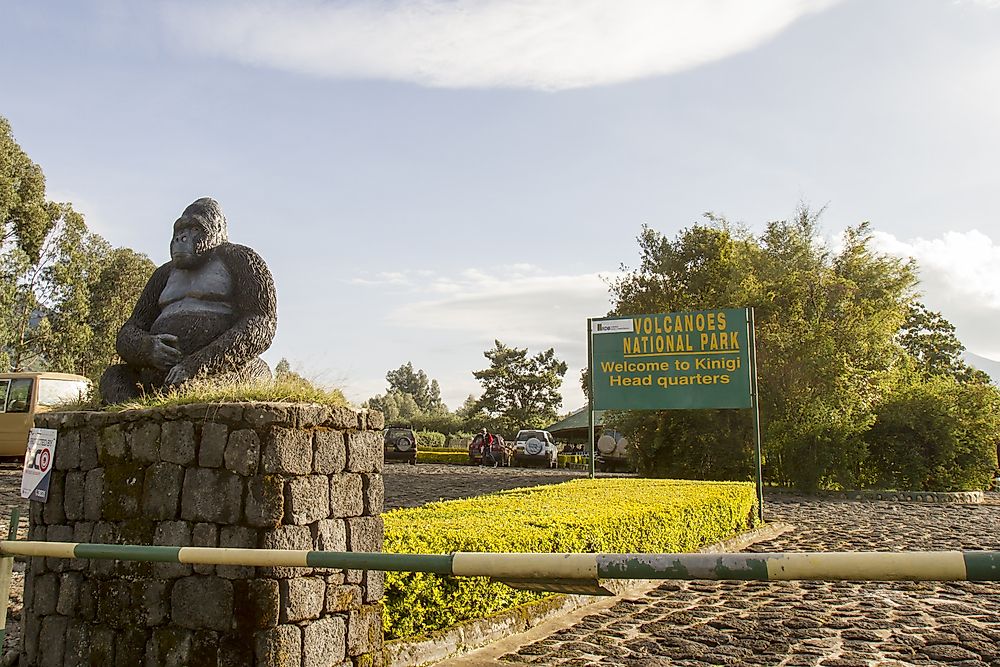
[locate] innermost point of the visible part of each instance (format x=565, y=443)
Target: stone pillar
x=266, y=475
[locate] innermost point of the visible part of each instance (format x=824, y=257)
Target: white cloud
x=540, y=44
x=960, y=277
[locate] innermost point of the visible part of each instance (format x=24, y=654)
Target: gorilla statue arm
x=135, y=344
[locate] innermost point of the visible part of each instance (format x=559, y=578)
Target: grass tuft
x=284, y=390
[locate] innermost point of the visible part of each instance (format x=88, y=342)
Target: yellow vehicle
x=24, y=394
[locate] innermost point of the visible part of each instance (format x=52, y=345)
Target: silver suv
x=535, y=446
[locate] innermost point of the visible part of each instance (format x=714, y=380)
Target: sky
x=426, y=176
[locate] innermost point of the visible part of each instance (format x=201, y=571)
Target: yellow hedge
x=621, y=515
x=442, y=456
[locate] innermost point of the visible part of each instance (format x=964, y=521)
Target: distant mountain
x=991, y=367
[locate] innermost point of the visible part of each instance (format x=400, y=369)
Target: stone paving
x=833, y=624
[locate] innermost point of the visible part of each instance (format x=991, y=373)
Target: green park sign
x=673, y=361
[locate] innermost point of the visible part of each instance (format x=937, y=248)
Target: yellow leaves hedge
x=442, y=456
x=620, y=515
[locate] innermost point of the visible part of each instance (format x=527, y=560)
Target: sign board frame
x=675, y=361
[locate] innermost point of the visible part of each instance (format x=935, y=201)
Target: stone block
x=324, y=642
x=373, y=420
x=122, y=498
x=204, y=535
x=83, y=531
x=87, y=604
x=228, y=413
x=212, y=495
x=213, y=445
x=286, y=537
x=329, y=452
x=364, y=630
x=343, y=597
x=58, y=534
x=155, y=597
x=374, y=490
x=242, y=454
x=307, y=499
x=177, y=443
x=365, y=533
x=308, y=417
x=205, y=649
x=74, y=491
x=302, y=598
x=364, y=452
x=330, y=535
x=235, y=652
x=287, y=451
x=46, y=594
x=144, y=442
x=265, y=501
x=52, y=641
x=260, y=415
x=114, y=603
x=88, y=450
x=176, y=534
x=169, y=647
x=202, y=602
x=130, y=646
x=346, y=495
x=93, y=495
x=102, y=646
x=77, y=644
x=257, y=603
x=161, y=493
x=111, y=445
x=374, y=586
x=54, y=512
x=68, y=451
x=279, y=646
x=29, y=637
x=236, y=537
x=343, y=418
x=104, y=533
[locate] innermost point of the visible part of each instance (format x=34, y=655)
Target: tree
x=931, y=341
x=520, y=391
x=397, y=407
x=426, y=393
x=64, y=291
x=825, y=326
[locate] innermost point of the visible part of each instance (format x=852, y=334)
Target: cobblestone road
x=839, y=624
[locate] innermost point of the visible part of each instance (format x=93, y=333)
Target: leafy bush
x=936, y=435
x=580, y=516
x=429, y=439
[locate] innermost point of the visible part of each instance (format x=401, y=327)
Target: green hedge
x=429, y=439
x=580, y=516
x=442, y=456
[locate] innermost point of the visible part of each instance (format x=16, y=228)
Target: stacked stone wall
x=273, y=476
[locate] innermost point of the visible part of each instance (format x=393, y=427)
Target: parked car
x=400, y=444
x=496, y=455
x=24, y=394
x=612, y=452
x=535, y=446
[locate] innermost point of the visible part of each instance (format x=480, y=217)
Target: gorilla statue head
x=201, y=227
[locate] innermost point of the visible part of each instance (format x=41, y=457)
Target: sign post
x=675, y=361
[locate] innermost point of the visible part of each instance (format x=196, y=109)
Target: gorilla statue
x=207, y=313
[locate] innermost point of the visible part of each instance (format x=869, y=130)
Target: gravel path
x=835, y=624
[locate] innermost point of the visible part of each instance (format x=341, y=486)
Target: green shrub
x=936, y=435
x=442, y=456
x=429, y=439
x=580, y=516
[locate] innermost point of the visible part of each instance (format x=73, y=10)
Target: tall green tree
x=425, y=392
x=25, y=215
x=826, y=322
x=931, y=341
x=520, y=391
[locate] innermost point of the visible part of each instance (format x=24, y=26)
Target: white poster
x=38, y=460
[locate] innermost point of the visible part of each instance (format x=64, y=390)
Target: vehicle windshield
x=527, y=435
x=55, y=392
x=397, y=432
x=15, y=395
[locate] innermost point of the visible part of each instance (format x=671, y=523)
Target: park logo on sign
x=38, y=460
x=613, y=326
